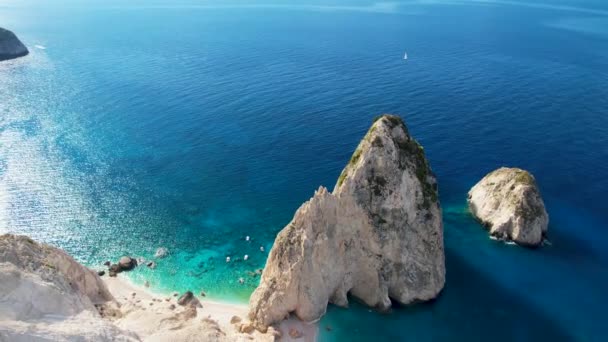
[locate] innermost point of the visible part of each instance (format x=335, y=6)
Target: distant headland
x=10, y=46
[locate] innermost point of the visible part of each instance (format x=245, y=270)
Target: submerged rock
x=377, y=236
x=508, y=202
x=10, y=46
x=161, y=252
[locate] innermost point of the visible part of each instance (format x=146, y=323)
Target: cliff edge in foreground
x=45, y=295
x=508, y=202
x=10, y=46
x=377, y=236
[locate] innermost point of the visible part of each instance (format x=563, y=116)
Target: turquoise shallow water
x=191, y=125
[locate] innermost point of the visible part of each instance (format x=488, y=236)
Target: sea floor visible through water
x=190, y=125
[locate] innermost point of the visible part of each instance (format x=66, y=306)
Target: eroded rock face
x=27, y=262
x=508, y=202
x=45, y=295
x=10, y=46
x=378, y=235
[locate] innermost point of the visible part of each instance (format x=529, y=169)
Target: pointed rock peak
x=378, y=236
x=388, y=147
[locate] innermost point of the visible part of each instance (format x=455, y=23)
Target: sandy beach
x=158, y=317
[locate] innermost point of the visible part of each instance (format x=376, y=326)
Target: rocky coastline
x=46, y=295
x=377, y=237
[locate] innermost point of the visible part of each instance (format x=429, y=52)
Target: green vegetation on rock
x=410, y=151
x=414, y=151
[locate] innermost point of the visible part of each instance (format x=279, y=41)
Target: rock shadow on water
x=472, y=307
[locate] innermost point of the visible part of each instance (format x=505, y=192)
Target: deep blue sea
x=192, y=124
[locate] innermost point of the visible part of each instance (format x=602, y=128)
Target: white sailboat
x=405, y=56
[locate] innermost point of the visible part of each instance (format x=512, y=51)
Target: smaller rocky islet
x=507, y=201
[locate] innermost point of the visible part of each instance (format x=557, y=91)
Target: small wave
x=41, y=47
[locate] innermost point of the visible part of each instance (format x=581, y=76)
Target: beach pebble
x=101, y=273
x=167, y=299
x=188, y=299
x=235, y=319
x=175, y=294
x=246, y=257
x=185, y=298
x=114, y=269
x=275, y=333
x=172, y=307
x=246, y=328
x=227, y=259
x=133, y=294
x=151, y=265
x=107, y=263
x=295, y=333
x=147, y=284
x=203, y=294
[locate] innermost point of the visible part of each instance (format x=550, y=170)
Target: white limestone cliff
x=378, y=236
x=45, y=295
x=508, y=202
